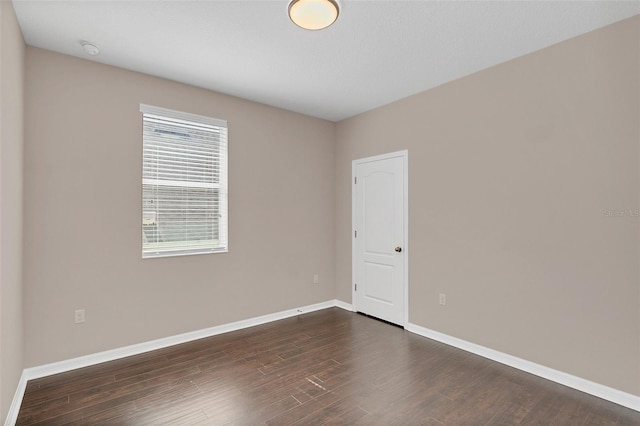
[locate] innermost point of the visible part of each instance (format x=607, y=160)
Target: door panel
x=378, y=236
x=379, y=270
x=378, y=278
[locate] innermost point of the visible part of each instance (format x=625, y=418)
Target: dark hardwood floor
x=325, y=367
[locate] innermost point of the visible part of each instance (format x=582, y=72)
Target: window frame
x=153, y=112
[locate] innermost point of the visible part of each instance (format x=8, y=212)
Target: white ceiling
x=377, y=52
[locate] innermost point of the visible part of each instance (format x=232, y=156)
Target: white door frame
x=404, y=154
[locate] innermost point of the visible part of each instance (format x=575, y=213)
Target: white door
x=379, y=236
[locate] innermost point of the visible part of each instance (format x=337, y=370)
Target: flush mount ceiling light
x=313, y=14
x=90, y=48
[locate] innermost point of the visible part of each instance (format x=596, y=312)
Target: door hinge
x=356, y=286
x=355, y=234
x=355, y=180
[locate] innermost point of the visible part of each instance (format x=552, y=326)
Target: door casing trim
x=404, y=154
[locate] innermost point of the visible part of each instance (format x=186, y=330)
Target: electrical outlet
x=316, y=279
x=79, y=316
x=442, y=299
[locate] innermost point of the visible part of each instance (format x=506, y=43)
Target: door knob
x=398, y=249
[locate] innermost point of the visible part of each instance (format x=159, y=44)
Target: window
x=184, y=183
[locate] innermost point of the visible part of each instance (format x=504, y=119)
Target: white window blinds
x=184, y=183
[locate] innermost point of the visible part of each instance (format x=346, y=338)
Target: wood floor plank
x=64, y=387
x=323, y=368
x=114, y=415
x=307, y=409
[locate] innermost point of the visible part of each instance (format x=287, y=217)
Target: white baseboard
x=601, y=391
x=113, y=354
x=596, y=389
x=14, y=409
x=344, y=305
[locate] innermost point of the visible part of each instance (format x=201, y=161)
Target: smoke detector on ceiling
x=90, y=48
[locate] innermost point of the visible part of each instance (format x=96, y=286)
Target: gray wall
x=512, y=173
x=11, y=149
x=83, y=213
